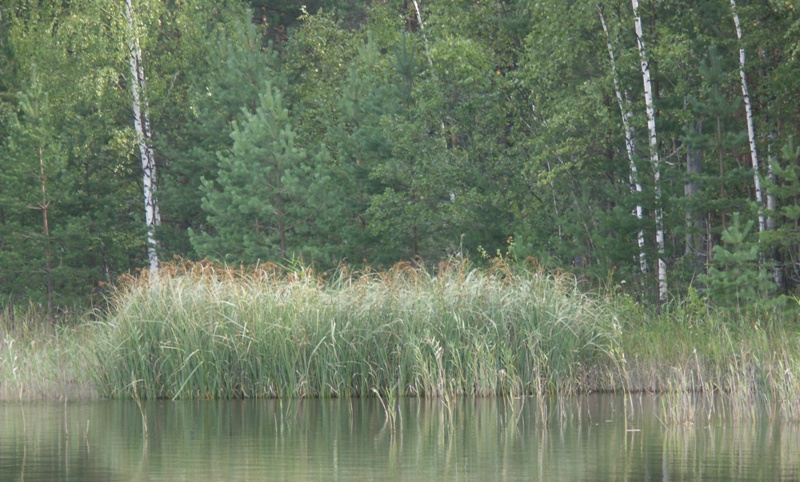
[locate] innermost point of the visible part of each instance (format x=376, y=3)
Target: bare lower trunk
x=141, y=122
x=654, y=157
x=772, y=205
x=630, y=143
x=279, y=209
x=695, y=219
x=46, y=227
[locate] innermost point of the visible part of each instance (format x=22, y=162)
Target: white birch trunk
x=751, y=132
x=141, y=122
x=430, y=63
x=654, y=157
x=422, y=29
x=630, y=142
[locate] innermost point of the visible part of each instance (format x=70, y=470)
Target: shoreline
x=219, y=334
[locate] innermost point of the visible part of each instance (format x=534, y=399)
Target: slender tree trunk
x=46, y=226
x=422, y=29
x=555, y=204
x=721, y=163
x=141, y=122
x=772, y=205
x=751, y=132
x=279, y=209
x=654, y=157
x=630, y=142
x=695, y=218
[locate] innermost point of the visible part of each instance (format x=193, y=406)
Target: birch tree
x=751, y=132
x=630, y=142
x=422, y=29
x=654, y=156
x=144, y=137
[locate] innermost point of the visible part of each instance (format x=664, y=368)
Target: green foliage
x=225, y=84
x=738, y=276
x=29, y=193
x=785, y=188
x=359, y=144
x=497, y=119
x=268, y=192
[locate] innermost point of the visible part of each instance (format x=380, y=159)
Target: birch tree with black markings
x=654, y=155
x=144, y=136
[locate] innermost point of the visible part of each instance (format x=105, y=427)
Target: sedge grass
x=202, y=331
x=39, y=359
x=748, y=359
x=459, y=332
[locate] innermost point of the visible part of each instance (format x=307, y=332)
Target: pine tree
x=222, y=89
x=359, y=145
x=785, y=187
x=36, y=158
x=736, y=277
x=268, y=194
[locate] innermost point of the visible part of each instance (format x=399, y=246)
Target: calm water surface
x=591, y=438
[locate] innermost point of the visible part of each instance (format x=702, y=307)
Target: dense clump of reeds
x=205, y=332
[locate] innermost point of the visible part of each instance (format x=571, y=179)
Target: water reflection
x=582, y=438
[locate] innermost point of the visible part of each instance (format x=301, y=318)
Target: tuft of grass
x=207, y=332
x=747, y=358
x=40, y=359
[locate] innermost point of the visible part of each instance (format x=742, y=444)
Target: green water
x=591, y=438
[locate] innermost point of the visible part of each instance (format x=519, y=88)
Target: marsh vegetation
x=202, y=331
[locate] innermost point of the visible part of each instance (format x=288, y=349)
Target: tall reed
x=202, y=331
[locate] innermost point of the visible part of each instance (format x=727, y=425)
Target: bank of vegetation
x=651, y=147
x=209, y=332
x=652, y=141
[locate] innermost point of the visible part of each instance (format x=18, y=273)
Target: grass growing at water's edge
x=691, y=353
x=202, y=331
x=40, y=359
x=225, y=333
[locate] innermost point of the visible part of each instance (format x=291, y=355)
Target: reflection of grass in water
x=706, y=451
x=325, y=439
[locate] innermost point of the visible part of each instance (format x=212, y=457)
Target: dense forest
x=644, y=145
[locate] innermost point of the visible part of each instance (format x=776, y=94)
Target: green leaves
x=378, y=141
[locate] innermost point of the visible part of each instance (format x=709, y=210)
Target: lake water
x=592, y=438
